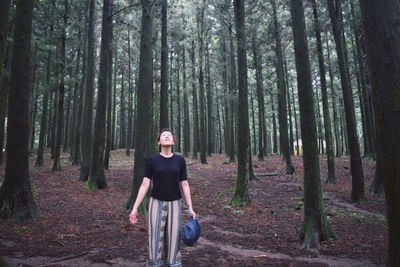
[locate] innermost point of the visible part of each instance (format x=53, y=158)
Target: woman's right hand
x=133, y=216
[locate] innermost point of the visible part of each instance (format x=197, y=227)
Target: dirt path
x=96, y=231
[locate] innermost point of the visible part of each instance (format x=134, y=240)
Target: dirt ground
x=85, y=228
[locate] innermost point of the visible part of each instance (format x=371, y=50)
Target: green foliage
x=237, y=212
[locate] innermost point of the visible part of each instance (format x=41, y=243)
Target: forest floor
x=86, y=228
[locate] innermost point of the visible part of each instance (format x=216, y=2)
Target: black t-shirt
x=166, y=174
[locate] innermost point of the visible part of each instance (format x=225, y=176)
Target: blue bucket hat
x=191, y=232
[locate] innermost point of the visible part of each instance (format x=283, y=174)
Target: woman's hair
x=167, y=130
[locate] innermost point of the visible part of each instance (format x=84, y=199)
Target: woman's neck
x=166, y=151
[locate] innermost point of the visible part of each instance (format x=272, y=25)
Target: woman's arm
x=188, y=199
x=141, y=193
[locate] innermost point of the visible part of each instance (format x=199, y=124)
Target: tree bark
x=315, y=226
x=75, y=107
x=331, y=179
x=202, y=119
x=282, y=96
x=195, y=109
x=164, y=123
x=43, y=120
x=145, y=89
x=4, y=17
x=16, y=198
x=357, y=190
x=130, y=98
x=260, y=101
x=60, y=106
x=380, y=22
x=240, y=191
x=88, y=101
x=109, y=106
x=186, y=133
x=97, y=178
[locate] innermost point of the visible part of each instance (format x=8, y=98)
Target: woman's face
x=166, y=139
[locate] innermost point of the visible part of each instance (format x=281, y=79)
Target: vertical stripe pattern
x=164, y=220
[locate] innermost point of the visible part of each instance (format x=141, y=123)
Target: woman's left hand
x=193, y=213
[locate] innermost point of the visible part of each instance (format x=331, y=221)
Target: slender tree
x=195, y=107
x=164, y=123
x=87, y=113
x=145, y=90
x=315, y=226
x=109, y=107
x=331, y=179
x=240, y=191
x=380, y=22
x=282, y=96
x=60, y=106
x=45, y=102
x=97, y=178
x=75, y=107
x=130, y=98
x=260, y=100
x=202, y=118
x=334, y=108
x=78, y=131
x=357, y=190
x=186, y=133
x=210, y=117
x=16, y=198
x=4, y=16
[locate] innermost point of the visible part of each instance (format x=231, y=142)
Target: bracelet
x=189, y=205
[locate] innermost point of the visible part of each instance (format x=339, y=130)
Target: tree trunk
x=210, y=117
x=66, y=129
x=260, y=101
x=109, y=106
x=88, y=101
x=16, y=198
x=333, y=96
x=114, y=107
x=178, y=101
x=75, y=107
x=295, y=126
x=164, y=123
x=171, y=101
x=291, y=141
x=232, y=98
x=331, y=179
x=43, y=120
x=202, y=123
x=122, y=143
x=282, y=96
x=186, y=133
x=315, y=226
x=253, y=126
x=357, y=190
x=274, y=135
x=78, y=125
x=60, y=106
x=380, y=21
x=4, y=17
x=195, y=109
x=97, y=178
x=145, y=89
x=240, y=191
x=370, y=144
x=130, y=98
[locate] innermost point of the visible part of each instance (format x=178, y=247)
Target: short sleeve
x=183, y=174
x=148, y=170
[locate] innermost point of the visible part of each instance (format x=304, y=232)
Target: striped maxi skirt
x=164, y=221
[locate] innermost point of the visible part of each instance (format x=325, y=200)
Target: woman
x=168, y=172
